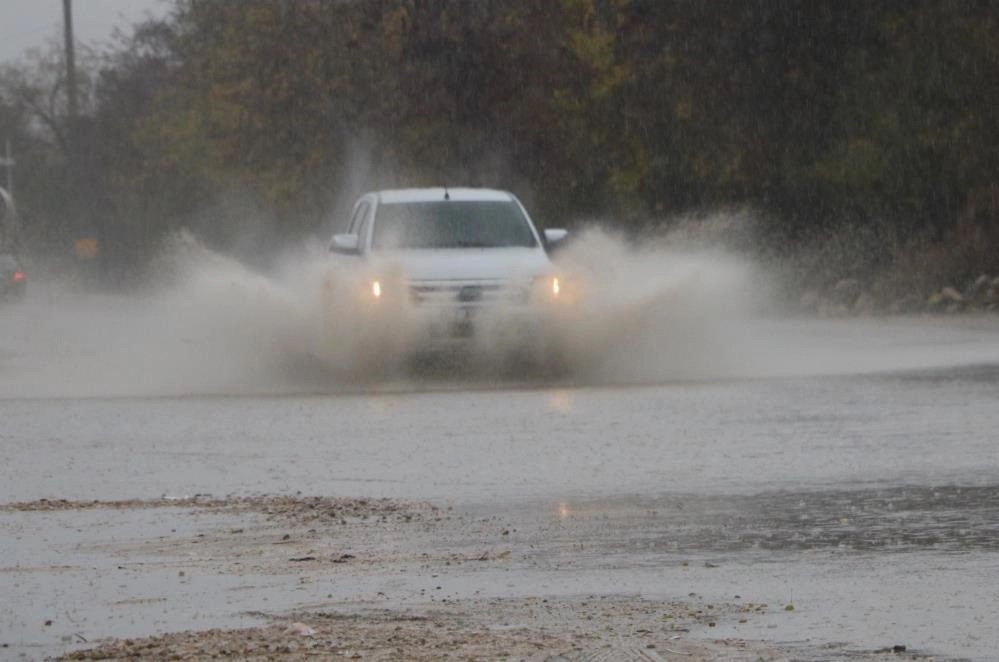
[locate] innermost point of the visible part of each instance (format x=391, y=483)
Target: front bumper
x=485, y=312
x=393, y=317
x=441, y=326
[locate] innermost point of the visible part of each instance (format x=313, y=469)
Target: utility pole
x=8, y=212
x=67, y=21
x=84, y=226
x=8, y=162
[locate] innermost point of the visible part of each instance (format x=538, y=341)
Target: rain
x=547, y=331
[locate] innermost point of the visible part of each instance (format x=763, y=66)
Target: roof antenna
x=447, y=196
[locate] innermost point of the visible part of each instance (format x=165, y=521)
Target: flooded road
x=851, y=488
x=929, y=427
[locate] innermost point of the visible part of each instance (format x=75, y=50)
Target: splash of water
x=656, y=312
x=211, y=325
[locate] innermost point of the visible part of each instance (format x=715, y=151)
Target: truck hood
x=465, y=264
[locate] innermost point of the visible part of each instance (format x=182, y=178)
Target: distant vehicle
x=13, y=282
x=436, y=268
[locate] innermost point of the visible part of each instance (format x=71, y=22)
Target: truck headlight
x=548, y=288
x=385, y=289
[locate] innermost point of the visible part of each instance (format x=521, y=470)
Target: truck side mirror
x=555, y=235
x=345, y=244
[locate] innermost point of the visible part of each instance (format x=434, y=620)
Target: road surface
x=836, y=495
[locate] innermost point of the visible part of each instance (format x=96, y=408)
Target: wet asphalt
x=865, y=498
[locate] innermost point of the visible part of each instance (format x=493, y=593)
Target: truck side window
x=364, y=224
x=360, y=212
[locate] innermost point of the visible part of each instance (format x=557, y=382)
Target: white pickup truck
x=437, y=268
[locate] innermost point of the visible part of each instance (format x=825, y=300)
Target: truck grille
x=465, y=293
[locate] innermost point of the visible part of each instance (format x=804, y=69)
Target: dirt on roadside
x=321, y=541
x=534, y=629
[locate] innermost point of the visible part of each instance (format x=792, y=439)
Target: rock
x=300, y=629
x=951, y=295
x=947, y=299
x=845, y=292
x=979, y=290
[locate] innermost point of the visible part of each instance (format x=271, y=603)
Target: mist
x=653, y=310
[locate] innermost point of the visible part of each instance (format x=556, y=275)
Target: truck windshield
x=451, y=224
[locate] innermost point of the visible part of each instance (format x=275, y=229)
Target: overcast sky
x=28, y=23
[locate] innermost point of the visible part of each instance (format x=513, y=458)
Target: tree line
x=817, y=115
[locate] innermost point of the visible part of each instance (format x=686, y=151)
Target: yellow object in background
x=86, y=248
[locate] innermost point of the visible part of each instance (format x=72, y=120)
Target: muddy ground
x=292, y=570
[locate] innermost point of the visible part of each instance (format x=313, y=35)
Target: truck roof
x=398, y=196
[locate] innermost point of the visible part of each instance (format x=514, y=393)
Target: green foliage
x=815, y=113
